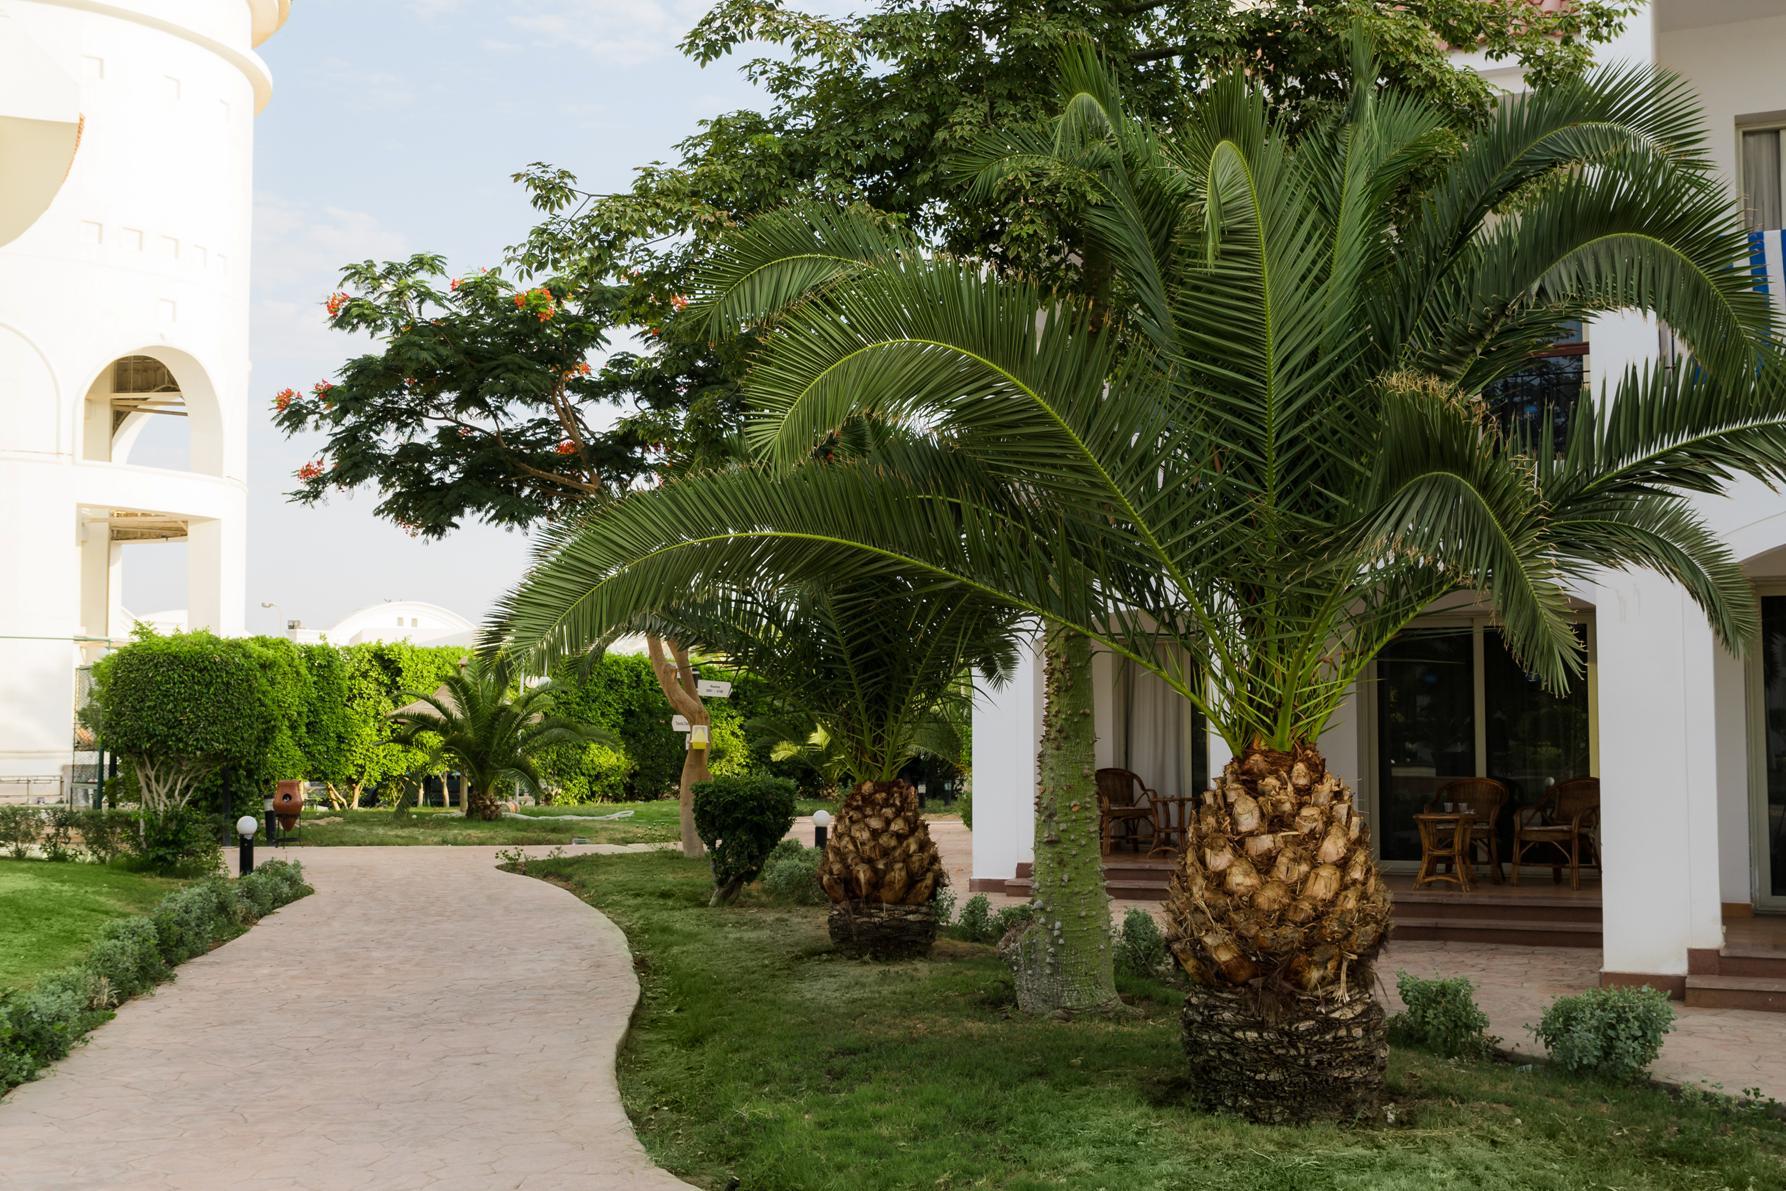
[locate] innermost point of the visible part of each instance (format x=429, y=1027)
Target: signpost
x=713, y=688
x=679, y=722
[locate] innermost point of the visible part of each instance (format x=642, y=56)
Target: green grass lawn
x=758, y=1055
x=650, y=823
x=51, y=913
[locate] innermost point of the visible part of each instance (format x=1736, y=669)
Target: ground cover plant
x=759, y=1055
x=51, y=913
x=131, y=954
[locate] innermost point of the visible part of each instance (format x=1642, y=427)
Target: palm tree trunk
x=1063, y=959
x=479, y=802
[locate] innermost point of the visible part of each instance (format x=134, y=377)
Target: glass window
x=1761, y=178
x=1534, y=738
x=1773, y=677
x=1546, y=390
x=1426, y=728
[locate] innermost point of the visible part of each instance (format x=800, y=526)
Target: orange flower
x=334, y=304
x=310, y=470
x=567, y=447
x=283, y=398
x=322, y=388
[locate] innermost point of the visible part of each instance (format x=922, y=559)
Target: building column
x=1659, y=781
x=216, y=576
x=1007, y=730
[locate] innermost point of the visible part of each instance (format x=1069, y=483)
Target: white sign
x=713, y=688
x=679, y=722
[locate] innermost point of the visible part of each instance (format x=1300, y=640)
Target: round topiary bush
x=741, y=819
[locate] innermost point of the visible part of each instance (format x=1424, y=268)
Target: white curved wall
x=142, y=250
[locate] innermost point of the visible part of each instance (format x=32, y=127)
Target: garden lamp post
x=246, y=826
x=821, y=820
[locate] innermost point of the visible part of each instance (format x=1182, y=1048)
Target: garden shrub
x=127, y=957
x=182, y=841
x=1140, y=945
x=1441, y=1016
x=57, y=839
x=964, y=802
x=106, y=834
x=975, y=922
x=39, y=1024
x=942, y=905
x=741, y=819
x=1008, y=918
x=19, y=829
x=1611, y=1033
x=791, y=874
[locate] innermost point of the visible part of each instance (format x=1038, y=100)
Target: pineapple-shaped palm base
x=1292, y=1061
x=881, y=870
x=1276, y=913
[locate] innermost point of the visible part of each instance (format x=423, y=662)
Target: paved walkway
x=422, y=1021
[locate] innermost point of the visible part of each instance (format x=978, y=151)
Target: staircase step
x=1737, y=992
x=1416, y=928
x=1759, y=963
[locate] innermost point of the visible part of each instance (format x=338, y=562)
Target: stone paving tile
x=423, y=1021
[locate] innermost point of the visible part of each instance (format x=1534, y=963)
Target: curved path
x=422, y=1021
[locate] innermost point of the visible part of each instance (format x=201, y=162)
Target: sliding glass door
x=1450, y=703
x=1768, y=823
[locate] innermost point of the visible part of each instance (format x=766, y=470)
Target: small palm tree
x=1262, y=441
x=876, y=671
x=493, y=733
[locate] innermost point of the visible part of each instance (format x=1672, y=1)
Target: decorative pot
x=288, y=801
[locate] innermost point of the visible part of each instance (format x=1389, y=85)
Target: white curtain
x=1153, y=730
x=1761, y=179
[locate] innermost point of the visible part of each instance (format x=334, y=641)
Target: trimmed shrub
x=1009, y=918
x=1140, y=945
x=1441, y=1016
x=1610, y=1033
x=106, y=834
x=791, y=874
x=942, y=905
x=182, y=841
x=19, y=829
x=964, y=802
x=741, y=819
x=128, y=958
x=57, y=839
x=38, y=1025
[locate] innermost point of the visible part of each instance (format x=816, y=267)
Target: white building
x=1688, y=741
x=126, y=150
x=396, y=620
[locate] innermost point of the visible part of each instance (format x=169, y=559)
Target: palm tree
x=1263, y=442
x=877, y=669
x=494, y=735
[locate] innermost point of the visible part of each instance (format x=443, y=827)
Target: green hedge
x=40, y=1024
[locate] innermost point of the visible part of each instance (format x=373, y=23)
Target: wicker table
x=1445, y=840
x=1172, y=822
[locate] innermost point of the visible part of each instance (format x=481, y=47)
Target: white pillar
x=1658, y=777
x=1007, y=731
x=216, y=583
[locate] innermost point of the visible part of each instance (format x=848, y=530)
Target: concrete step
x=1415, y=927
x=1763, y=963
x=1737, y=992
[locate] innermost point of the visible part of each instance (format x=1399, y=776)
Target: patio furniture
x=1125, y=803
x=1564, y=821
x=1483, y=797
x=1172, y=822
x=1445, y=840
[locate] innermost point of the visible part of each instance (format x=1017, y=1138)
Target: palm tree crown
x=492, y=734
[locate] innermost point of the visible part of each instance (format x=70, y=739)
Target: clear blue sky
x=393, y=128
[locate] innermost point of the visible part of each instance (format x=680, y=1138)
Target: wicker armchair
x=1483, y=797
x=1564, y=821
x=1125, y=802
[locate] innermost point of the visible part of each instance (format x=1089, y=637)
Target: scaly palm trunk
x=1063, y=959
x=881, y=870
x=480, y=802
x=1276, y=913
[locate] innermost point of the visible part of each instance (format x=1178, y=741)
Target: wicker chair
x=1564, y=821
x=1483, y=797
x=1124, y=801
